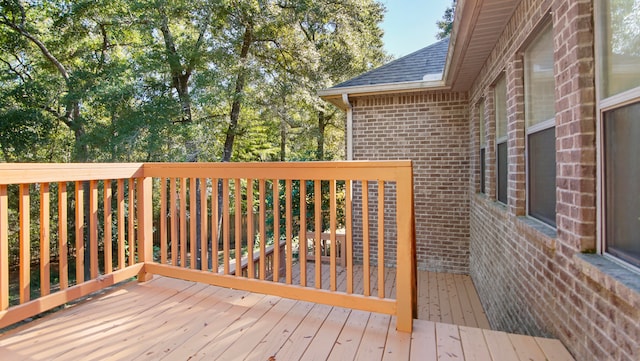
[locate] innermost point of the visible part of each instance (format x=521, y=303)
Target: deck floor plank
x=398, y=345
x=236, y=330
x=321, y=345
x=423, y=341
x=527, y=348
x=212, y=327
x=481, y=317
x=300, y=339
x=474, y=345
x=276, y=338
x=348, y=341
x=499, y=346
x=449, y=345
x=118, y=337
x=180, y=320
x=374, y=338
x=553, y=349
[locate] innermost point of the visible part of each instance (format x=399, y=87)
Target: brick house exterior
x=534, y=278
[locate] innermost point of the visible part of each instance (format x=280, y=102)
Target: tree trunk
x=283, y=139
x=237, y=96
x=321, y=127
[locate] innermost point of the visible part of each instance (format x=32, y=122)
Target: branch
x=14, y=70
x=43, y=48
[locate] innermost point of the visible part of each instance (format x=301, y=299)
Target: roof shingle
x=412, y=67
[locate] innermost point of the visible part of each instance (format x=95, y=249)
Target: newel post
x=406, y=258
x=145, y=225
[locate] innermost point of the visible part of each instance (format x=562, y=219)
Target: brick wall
x=432, y=129
x=533, y=279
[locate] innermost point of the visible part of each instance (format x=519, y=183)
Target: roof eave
x=334, y=95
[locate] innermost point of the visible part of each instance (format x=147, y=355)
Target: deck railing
x=102, y=232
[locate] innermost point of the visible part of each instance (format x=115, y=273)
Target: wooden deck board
x=179, y=320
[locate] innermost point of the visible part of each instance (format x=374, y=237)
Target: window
x=618, y=60
x=540, y=128
x=483, y=146
x=500, y=100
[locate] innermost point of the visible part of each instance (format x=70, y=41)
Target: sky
x=410, y=25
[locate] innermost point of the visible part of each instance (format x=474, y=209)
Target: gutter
x=383, y=88
x=349, y=108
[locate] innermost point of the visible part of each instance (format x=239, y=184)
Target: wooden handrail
x=194, y=225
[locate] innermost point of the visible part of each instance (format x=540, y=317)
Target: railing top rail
x=14, y=173
x=381, y=170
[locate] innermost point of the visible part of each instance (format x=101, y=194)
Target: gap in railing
x=46, y=218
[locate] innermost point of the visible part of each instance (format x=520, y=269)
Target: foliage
x=158, y=80
x=446, y=24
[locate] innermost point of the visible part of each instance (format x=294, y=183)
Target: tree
x=446, y=24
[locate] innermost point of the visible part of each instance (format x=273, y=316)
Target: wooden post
x=145, y=225
x=4, y=248
x=405, y=278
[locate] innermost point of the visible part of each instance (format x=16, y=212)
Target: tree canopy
x=446, y=24
x=175, y=80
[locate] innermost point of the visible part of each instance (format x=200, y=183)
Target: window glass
x=620, y=53
x=482, y=170
x=541, y=140
x=483, y=144
x=542, y=175
x=622, y=182
x=502, y=172
x=500, y=99
x=483, y=136
x=539, y=81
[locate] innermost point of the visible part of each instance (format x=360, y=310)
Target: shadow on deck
x=173, y=319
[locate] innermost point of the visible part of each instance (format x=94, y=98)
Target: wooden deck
x=442, y=297
x=172, y=319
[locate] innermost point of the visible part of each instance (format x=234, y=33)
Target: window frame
x=502, y=139
x=603, y=105
x=482, y=149
x=538, y=127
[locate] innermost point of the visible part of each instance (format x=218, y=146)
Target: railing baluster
x=4, y=248
x=381, y=239
x=63, y=266
x=289, y=253
x=349, y=235
x=263, y=231
x=93, y=228
x=108, y=223
x=215, y=227
x=25, y=244
x=332, y=228
x=204, y=234
x=183, y=222
x=45, y=219
x=79, y=193
x=318, y=231
x=132, y=229
x=225, y=225
x=193, y=207
x=173, y=205
x=238, y=227
x=121, y=225
x=365, y=238
x=163, y=220
x=251, y=272
x=302, y=245
x=276, y=230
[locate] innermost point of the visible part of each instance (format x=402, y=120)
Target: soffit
x=477, y=27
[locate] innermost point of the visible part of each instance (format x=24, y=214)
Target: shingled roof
x=427, y=61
